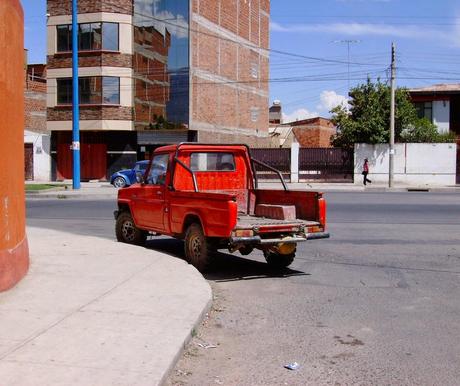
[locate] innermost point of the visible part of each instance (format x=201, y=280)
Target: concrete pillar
x=295, y=162
x=14, y=252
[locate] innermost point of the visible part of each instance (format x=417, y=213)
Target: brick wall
x=230, y=87
x=228, y=107
x=35, y=105
x=93, y=59
x=64, y=7
x=91, y=113
x=314, y=136
x=216, y=137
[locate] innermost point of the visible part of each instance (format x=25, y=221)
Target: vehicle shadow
x=225, y=267
x=232, y=267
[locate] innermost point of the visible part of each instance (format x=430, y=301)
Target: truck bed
x=246, y=221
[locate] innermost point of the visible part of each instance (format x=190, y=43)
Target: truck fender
x=191, y=218
x=124, y=206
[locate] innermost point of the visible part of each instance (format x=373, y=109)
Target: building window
x=64, y=38
x=424, y=110
x=93, y=90
x=254, y=114
x=64, y=91
x=91, y=37
x=110, y=90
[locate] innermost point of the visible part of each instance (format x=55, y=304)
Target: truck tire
x=127, y=232
x=277, y=260
x=197, y=249
x=246, y=250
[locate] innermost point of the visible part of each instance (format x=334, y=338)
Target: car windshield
x=141, y=167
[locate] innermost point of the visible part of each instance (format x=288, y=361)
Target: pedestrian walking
x=366, y=172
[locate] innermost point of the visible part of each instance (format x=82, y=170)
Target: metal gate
x=326, y=164
x=279, y=159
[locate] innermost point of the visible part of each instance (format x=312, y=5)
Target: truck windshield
x=158, y=170
x=207, y=162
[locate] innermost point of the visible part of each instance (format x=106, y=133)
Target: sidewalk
x=88, y=190
x=96, y=312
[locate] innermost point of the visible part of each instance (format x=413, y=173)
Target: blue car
x=127, y=177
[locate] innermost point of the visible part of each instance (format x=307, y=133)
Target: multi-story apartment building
x=154, y=72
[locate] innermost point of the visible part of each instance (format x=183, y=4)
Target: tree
x=367, y=120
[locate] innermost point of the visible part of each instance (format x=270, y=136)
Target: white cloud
x=177, y=25
x=375, y=29
x=330, y=99
x=298, y=115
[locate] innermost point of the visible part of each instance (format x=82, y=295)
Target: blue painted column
x=75, y=101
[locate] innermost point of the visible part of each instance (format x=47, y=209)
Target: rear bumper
x=257, y=240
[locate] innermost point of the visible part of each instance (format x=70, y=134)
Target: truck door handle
x=159, y=193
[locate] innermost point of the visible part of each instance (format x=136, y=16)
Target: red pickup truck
x=208, y=196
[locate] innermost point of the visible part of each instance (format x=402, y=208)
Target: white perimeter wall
x=415, y=164
x=42, y=157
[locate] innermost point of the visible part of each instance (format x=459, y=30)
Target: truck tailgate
x=245, y=221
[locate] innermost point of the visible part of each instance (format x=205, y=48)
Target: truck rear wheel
x=246, y=250
x=127, y=232
x=197, y=249
x=277, y=260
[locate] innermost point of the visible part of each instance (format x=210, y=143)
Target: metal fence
x=326, y=164
x=315, y=164
x=278, y=158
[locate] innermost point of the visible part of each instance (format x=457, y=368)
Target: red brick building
x=153, y=73
x=36, y=138
x=35, y=98
x=313, y=133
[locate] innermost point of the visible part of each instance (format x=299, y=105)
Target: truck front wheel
x=277, y=260
x=127, y=232
x=197, y=250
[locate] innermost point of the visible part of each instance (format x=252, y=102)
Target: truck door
x=149, y=203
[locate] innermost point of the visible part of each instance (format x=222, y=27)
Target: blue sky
x=309, y=58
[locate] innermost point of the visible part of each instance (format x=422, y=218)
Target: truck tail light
x=243, y=233
x=322, y=211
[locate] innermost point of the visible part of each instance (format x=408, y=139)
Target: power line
x=249, y=45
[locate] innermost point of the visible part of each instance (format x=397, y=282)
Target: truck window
x=211, y=162
x=158, y=170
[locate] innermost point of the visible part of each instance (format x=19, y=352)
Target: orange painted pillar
x=14, y=251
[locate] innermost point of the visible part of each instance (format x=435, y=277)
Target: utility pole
x=75, y=101
x=392, y=115
x=348, y=42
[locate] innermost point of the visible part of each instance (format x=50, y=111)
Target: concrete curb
x=189, y=337
x=71, y=196
x=94, y=311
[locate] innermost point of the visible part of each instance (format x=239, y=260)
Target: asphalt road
x=378, y=303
